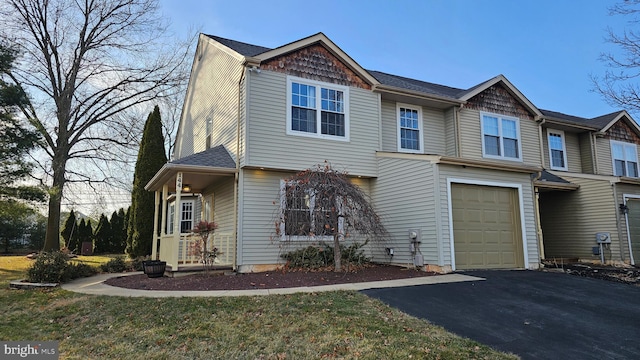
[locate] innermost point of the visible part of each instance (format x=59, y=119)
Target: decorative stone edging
x=22, y=284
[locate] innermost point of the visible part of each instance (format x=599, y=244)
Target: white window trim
x=613, y=159
x=171, y=213
x=282, y=230
x=564, y=149
x=193, y=211
x=420, y=127
x=318, y=85
x=500, y=117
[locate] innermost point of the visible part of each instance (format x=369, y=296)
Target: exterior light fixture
x=624, y=209
x=186, y=188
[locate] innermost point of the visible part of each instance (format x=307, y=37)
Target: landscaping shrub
x=314, y=257
x=115, y=265
x=136, y=263
x=49, y=267
x=77, y=270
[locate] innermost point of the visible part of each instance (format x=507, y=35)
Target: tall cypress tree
x=151, y=158
x=70, y=232
x=102, y=236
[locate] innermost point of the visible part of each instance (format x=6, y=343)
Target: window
x=625, y=159
x=409, y=129
x=170, y=216
x=557, y=150
x=303, y=215
x=317, y=109
x=500, y=137
x=186, y=216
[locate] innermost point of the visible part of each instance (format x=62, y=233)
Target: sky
x=547, y=48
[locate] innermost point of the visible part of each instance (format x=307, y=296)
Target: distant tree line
x=108, y=237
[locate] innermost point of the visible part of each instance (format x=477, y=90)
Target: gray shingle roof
x=216, y=157
x=547, y=176
x=604, y=120
x=240, y=47
x=416, y=85
x=597, y=123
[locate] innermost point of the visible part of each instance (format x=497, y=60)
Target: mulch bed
x=264, y=280
x=627, y=275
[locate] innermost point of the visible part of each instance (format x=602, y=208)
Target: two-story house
x=456, y=174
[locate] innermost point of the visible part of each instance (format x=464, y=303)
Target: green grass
x=332, y=325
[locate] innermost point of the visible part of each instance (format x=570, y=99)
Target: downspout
x=594, y=154
x=540, y=138
x=456, y=125
x=615, y=205
x=237, y=174
x=536, y=204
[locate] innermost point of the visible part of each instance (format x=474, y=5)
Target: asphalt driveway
x=534, y=314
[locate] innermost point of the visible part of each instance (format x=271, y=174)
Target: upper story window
x=209, y=131
x=557, y=150
x=500, y=137
x=625, y=159
x=317, y=109
x=409, y=129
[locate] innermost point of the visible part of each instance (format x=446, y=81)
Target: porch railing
x=179, y=253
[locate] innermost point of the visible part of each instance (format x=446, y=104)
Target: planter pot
x=154, y=268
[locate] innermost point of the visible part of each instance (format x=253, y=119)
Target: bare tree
x=323, y=202
x=618, y=86
x=88, y=64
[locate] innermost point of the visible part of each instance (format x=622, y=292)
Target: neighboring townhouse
x=455, y=173
x=596, y=190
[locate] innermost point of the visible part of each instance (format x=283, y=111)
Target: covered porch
x=183, y=196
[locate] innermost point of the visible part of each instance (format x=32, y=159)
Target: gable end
x=316, y=63
x=621, y=131
x=497, y=99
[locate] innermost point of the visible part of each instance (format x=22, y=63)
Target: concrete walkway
x=95, y=286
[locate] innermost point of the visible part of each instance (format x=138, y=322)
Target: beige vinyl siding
x=571, y=219
x=260, y=201
x=269, y=146
x=212, y=93
x=603, y=156
x=573, y=153
x=450, y=132
x=471, y=138
x=222, y=192
x=389, y=127
x=503, y=177
x=586, y=153
x=434, y=131
x=407, y=203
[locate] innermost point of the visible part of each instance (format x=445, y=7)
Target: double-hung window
x=306, y=215
x=625, y=158
x=557, y=150
x=317, y=109
x=186, y=216
x=500, y=137
x=409, y=129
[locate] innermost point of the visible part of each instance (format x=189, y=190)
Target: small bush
x=77, y=270
x=311, y=257
x=49, y=267
x=115, y=265
x=314, y=257
x=136, y=263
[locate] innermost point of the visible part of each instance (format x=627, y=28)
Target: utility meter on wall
x=603, y=238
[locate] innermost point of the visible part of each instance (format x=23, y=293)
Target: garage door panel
x=486, y=224
x=634, y=228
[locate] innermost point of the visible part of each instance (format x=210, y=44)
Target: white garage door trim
x=517, y=186
x=626, y=221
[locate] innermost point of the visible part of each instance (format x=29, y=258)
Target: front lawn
x=345, y=325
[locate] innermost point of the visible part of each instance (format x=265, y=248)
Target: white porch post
x=154, y=249
x=163, y=221
x=176, y=224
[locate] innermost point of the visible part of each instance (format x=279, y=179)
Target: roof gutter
x=416, y=94
x=168, y=169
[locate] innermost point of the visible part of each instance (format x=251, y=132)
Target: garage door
x=486, y=227
x=634, y=228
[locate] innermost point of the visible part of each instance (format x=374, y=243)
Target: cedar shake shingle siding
x=316, y=63
x=497, y=99
x=620, y=131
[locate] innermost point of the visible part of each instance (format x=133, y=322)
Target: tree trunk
x=52, y=238
x=337, y=254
